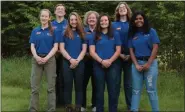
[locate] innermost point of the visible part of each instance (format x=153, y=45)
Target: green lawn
x=16, y=89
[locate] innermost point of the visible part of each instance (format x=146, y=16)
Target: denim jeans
x=110, y=76
x=88, y=73
x=126, y=67
x=69, y=74
x=150, y=79
x=59, y=81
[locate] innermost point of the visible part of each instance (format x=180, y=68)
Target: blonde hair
x=49, y=22
x=129, y=12
x=80, y=29
x=87, y=15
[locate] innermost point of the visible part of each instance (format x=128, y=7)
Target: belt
x=144, y=58
x=42, y=55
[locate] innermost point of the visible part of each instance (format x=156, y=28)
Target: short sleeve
x=58, y=36
x=117, y=39
x=130, y=45
x=62, y=39
x=154, y=36
x=32, y=36
x=92, y=41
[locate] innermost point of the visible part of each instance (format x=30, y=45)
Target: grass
x=15, y=89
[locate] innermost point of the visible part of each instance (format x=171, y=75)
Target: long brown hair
x=117, y=15
x=99, y=28
x=49, y=22
x=80, y=29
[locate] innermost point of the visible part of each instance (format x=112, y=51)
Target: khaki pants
x=36, y=76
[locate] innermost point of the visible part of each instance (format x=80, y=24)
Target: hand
x=44, y=60
x=74, y=63
x=106, y=63
x=127, y=57
x=39, y=60
x=123, y=56
x=146, y=66
x=139, y=68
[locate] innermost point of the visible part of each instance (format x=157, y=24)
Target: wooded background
x=18, y=18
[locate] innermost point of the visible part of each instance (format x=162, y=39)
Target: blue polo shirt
x=105, y=47
x=142, y=43
x=43, y=40
x=122, y=28
x=60, y=26
x=89, y=36
x=73, y=46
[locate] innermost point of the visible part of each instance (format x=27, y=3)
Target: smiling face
x=60, y=11
x=104, y=22
x=122, y=10
x=44, y=17
x=91, y=20
x=73, y=21
x=139, y=21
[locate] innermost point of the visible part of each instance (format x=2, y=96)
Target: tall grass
x=16, y=89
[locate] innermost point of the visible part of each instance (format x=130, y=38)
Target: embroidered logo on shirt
x=38, y=33
x=119, y=28
x=146, y=35
x=48, y=34
x=135, y=38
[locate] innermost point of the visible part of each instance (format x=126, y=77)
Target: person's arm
x=116, y=54
x=154, y=41
x=93, y=53
x=51, y=53
x=83, y=52
x=34, y=53
x=152, y=57
x=118, y=47
x=134, y=60
x=66, y=55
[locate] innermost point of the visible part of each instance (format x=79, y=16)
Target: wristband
x=101, y=61
x=69, y=59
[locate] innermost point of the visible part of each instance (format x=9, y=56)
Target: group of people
x=68, y=50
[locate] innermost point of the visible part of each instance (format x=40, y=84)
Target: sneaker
x=83, y=109
x=94, y=109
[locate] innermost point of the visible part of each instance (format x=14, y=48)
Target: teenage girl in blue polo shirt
x=105, y=48
x=90, y=21
x=122, y=17
x=60, y=25
x=143, y=44
x=44, y=44
x=73, y=48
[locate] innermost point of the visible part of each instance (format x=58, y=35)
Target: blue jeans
x=69, y=74
x=126, y=67
x=110, y=76
x=88, y=73
x=150, y=78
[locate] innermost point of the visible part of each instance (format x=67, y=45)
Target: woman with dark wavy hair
x=143, y=44
x=105, y=48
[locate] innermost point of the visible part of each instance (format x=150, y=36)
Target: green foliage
x=20, y=17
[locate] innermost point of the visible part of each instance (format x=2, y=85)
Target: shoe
x=83, y=109
x=69, y=109
x=77, y=109
x=94, y=109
